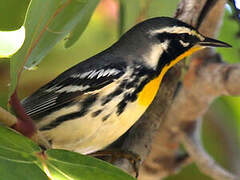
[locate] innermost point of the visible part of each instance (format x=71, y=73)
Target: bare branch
x=10, y=120
x=192, y=143
x=202, y=85
x=207, y=78
x=7, y=118
x=190, y=10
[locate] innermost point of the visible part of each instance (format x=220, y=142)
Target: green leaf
x=17, y=170
x=129, y=12
x=74, y=166
x=162, y=8
x=232, y=105
x=84, y=19
x=121, y=18
x=12, y=140
x=12, y=14
x=228, y=33
x=17, y=157
x=46, y=23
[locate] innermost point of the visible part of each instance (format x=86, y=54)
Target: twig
x=7, y=118
x=189, y=11
x=193, y=145
x=207, y=7
x=10, y=120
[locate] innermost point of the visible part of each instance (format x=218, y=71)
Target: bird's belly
x=111, y=129
x=88, y=134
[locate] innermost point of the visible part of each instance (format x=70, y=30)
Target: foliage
x=12, y=14
x=19, y=154
x=46, y=23
x=43, y=31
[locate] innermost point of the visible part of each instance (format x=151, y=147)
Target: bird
x=92, y=104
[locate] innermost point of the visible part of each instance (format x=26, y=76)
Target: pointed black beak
x=213, y=43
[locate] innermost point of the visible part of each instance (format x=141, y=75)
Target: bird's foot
x=112, y=155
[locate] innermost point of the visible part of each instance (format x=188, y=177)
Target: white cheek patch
x=184, y=44
x=165, y=45
x=155, y=53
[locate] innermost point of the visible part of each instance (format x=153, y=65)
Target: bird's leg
x=112, y=155
x=41, y=141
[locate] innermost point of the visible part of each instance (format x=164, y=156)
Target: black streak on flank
x=85, y=106
x=96, y=113
x=133, y=83
x=121, y=107
x=115, y=93
x=131, y=97
x=109, y=97
x=106, y=117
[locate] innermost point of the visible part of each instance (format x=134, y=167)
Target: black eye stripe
x=184, y=37
x=175, y=36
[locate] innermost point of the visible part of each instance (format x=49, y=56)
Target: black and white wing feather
x=70, y=85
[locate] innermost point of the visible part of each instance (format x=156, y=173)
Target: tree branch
x=7, y=118
x=193, y=145
x=207, y=78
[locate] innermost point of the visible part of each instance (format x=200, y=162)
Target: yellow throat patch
x=146, y=96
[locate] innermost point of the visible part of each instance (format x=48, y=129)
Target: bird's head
x=164, y=41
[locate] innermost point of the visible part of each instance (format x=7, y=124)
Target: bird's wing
x=69, y=86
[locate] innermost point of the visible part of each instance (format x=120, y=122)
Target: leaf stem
x=34, y=44
x=24, y=124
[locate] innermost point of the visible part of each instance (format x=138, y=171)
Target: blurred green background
x=222, y=140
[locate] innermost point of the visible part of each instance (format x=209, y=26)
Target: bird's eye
x=184, y=40
x=184, y=37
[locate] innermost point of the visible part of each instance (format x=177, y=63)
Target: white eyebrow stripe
x=178, y=30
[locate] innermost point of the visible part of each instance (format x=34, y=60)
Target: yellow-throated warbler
x=93, y=103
